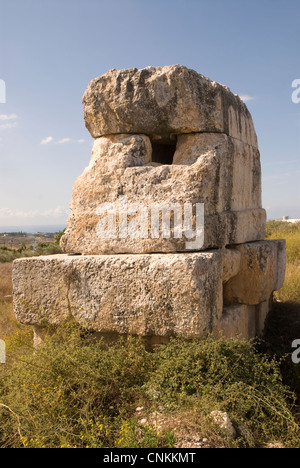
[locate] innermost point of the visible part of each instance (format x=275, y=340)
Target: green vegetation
x=228, y=376
x=8, y=255
x=291, y=232
x=75, y=391
x=283, y=324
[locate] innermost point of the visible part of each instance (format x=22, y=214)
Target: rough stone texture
x=2, y=352
x=243, y=321
x=262, y=272
x=163, y=136
x=161, y=102
x=149, y=295
x=216, y=170
x=236, y=167
x=223, y=421
x=237, y=321
x=231, y=264
x=138, y=294
x=39, y=335
x=262, y=311
x=167, y=135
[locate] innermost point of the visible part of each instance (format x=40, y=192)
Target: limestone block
x=237, y=321
x=245, y=226
x=262, y=272
x=235, y=170
x=121, y=151
x=147, y=295
x=39, y=335
x=231, y=264
x=211, y=169
x=164, y=101
x=281, y=263
x=262, y=311
x=243, y=321
x=223, y=421
x=175, y=171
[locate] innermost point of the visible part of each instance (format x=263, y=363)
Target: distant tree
x=58, y=236
x=22, y=248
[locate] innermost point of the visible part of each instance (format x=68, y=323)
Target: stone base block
x=153, y=295
x=159, y=295
x=262, y=271
x=243, y=321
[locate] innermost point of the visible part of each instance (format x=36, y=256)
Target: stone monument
x=166, y=232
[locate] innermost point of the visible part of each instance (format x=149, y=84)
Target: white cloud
x=10, y=121
x=8, y=125
x=246, y=97
x=47, y=140
x=8, y=117
x=58, y=212
x=63, y=141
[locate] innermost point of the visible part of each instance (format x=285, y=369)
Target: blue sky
x=51, y=49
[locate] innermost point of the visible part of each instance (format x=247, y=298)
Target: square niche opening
x=163, y=153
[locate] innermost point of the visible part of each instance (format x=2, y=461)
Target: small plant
x=228, y=376
x=135, y=435
x=74, y=391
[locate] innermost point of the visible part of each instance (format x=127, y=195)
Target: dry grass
x=290, y=291
x=5, y=281
x=7, y=321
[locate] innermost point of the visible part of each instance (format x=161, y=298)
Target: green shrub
x=74, y=391
x=135, y=435
x=9, y=255
x=228, y=376
x=58, y=236
x=44, y=248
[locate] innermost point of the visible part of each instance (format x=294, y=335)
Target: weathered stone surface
x=39, y=335
x=2, y=352
x=243, y=321
x=262, y=311
x=157, y=295
x=162, y=102
x=166, y=139
x=235, y=182
x=231, y=264
x=262, y=272
x=237, y=321
x=223, y=421
x=215, y=170
x=161, y=295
